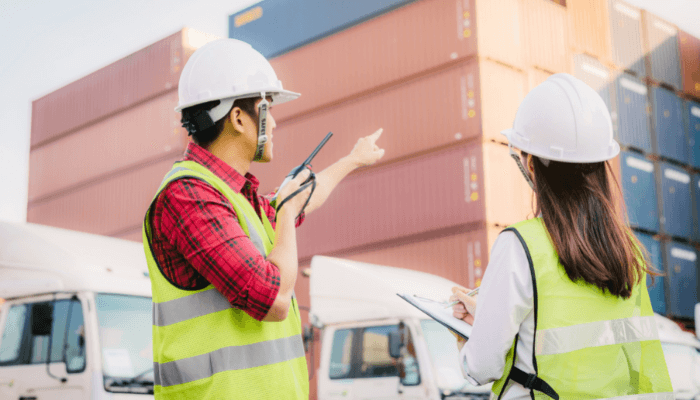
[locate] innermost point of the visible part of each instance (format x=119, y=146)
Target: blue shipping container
x=671, y=141
x=696, y=207
x=681, y=272
x=692, y=126
x=274, y=27
x=657, y=292
x=632, y=113
x=639, y=191
x=677, y=212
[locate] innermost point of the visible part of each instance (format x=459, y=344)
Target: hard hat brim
x=278, y=97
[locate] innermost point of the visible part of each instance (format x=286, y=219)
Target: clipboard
x=437, y=311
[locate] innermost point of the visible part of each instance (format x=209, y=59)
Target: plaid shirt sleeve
x=201, y=224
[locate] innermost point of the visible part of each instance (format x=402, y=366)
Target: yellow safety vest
x=205, y=349
x=587, y=344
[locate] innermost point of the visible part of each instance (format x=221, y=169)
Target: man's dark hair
x=193, y=117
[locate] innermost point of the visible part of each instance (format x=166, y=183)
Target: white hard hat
x=563, y=119
x=228, y=69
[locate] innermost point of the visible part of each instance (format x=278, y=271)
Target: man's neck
x=230, y=152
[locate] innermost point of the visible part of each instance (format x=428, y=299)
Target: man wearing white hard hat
x=563, y=310
x=222, y=259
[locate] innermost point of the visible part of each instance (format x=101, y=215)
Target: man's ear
x=236, y=121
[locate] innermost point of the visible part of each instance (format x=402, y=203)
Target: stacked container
x=101, y=145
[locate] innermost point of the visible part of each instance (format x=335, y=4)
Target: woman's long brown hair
x=591, y=238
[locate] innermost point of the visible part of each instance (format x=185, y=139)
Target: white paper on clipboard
x=439, y=313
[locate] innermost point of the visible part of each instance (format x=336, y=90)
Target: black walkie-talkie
x=296, y=170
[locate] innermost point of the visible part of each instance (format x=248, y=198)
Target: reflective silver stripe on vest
x=228, y=359
x=648, y=396
x=594, y=334
x=188, y=307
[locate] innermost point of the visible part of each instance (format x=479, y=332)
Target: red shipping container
x=690, y=63
x=139, y=134
x=546, y=33
x=133, y=79
x=444, y=108
x=590, y=28
x=111, y=207
x=451, y=188
x=134, y=235
x=411, y=40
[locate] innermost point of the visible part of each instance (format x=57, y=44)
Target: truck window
x=341, y=355
x=376, y=361
x=75, y=338
x=11, y=344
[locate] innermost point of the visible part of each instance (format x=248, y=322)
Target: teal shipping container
x=692, y=130
x=681, y=270
x=639, y=191
x=632, y=113
x=657, y=292
x=670, y=137
x=676, y=213
x=274, y=27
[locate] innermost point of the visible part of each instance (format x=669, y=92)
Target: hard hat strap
x=262, y=127
x=516, y=157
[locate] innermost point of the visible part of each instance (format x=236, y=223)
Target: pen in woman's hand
x=471, y=293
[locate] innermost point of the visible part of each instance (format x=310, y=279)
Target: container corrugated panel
x=626, y=37
x=134, y=235
x=695, y=192
x=535, y=77
x=461, y=257
x=633, y=113
x=677, y=213
x=689, y=47
x=385, y=50
x=411, y=198
x=657, y=292
x=127, y=139
x=111, y=207
x=671, y=141
x=137, y=77
x=499, y=30
x=437, y=110
x=661, y=46
x=274, y=27
x=596, y=75
x=590, y=27
x=546, y=34
x=639, y=191
x=692, y=126
x=682, y=279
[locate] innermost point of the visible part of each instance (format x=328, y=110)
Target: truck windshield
x=445, y=356
x=126, y=342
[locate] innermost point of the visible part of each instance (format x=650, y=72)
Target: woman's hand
x=466, y=308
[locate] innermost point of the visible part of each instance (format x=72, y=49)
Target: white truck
x=374, y=345
x=76, y=322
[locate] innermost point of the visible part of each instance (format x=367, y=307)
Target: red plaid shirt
x=197, y=239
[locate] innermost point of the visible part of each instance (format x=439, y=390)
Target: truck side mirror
x=308, y=336
x=42, y=319
x=395, y=344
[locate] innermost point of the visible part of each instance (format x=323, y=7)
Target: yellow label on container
x=472, y=113
x=467, y=33
x=475, y=196
x=248, y=16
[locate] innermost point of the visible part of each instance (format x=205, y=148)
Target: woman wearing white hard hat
x=563, y=310
x=222, y=258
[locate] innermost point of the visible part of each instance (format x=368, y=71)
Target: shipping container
x=692, y=128
x=661, y=46
x=689, y=47
x=460, y=256
x=639, y=191
x=657, y=292
x=546, y=34
x=676, y=212
x=111, y=207
x=681, y=269
x=498, y=26
x=695, y=193
x=590, y=28
x=133, y=79
x=274, y=27
x=459, y=187
x=535, y=77
x=135, y=235
x=670, y=138
x=468, y=101
x=596, y=75
x=626, y=37
x=126, y=140
x=397, y=46
x=633, y=111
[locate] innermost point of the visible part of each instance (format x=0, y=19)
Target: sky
x=47, y=44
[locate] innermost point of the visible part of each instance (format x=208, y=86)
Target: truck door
x=45, y=329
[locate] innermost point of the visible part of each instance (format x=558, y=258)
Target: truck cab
x=76, y=320
x=682, y=353
x=375, y=345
